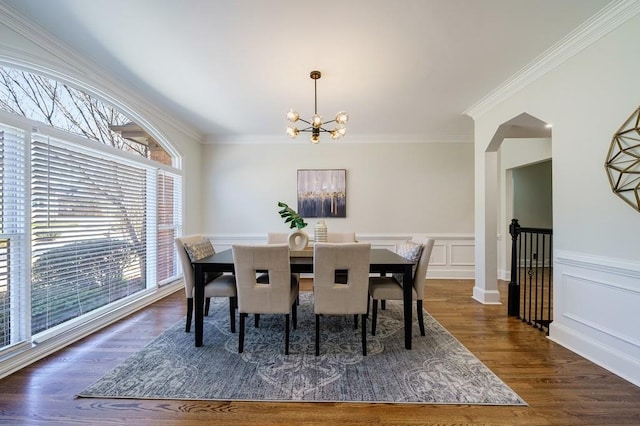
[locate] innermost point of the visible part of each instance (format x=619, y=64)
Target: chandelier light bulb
x=342, y=117
x=292, y=131
x=293, y=116
x=315, y=138
x=338, y=132
x=316, y=121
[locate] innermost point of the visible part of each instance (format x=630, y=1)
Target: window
x=88, y=215
x=12, y=235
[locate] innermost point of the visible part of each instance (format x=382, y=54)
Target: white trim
x=605, y=21
x=605, y=356
x=349, y=139
x=595, y=300
x=598, y=263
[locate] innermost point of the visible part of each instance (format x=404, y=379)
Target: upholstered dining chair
x=331, y=297
x=274, y=238
x=390, y=287
x=277, y=238
x=341, y=237
x=195, y=247
x=277, y=296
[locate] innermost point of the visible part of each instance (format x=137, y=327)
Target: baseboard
x=605, y=356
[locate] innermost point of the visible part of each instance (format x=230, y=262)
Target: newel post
x=514, y=287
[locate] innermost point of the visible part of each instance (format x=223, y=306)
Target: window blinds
x=12, y=235
x=169, y=227
x=89, y=230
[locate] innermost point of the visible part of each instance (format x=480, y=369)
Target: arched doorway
x=488, y=205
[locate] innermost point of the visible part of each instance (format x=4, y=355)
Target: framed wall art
x=322, y=192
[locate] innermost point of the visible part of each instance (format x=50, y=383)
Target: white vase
x=320, y=232
x=298, y=240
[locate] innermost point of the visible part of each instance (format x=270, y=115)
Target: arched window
x=90, y=205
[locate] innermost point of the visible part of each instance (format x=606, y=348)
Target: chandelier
x=315, y=125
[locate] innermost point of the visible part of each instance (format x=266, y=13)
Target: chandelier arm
x=305, y=121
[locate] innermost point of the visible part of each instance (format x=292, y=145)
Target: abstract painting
x=322, y=193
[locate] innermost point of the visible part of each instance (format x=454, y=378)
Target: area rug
x=438, y=370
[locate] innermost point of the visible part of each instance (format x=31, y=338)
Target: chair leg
x=187, y=329
x=286, y=334
x=207, y=303
x=317, y=334
x=383, y=304
x=364, y=335
x=374, y=317
x=420, y=316
x=294, y=312
x=232, y=314
x=256, y=320
x=355, y=322
x=241, y=334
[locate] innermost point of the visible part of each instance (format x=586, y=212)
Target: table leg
x=198, y=303
x=407, y=287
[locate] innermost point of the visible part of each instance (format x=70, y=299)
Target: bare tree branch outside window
x=67, y=108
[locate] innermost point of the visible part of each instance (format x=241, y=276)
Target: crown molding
x=64, y=64
x=349, y=140
x=605, y=21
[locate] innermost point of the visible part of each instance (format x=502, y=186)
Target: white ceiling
x=404, y=69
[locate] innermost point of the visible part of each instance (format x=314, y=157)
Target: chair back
x=277, y=238
x=341, y=237
x=185, y=262
x=423, y=263
x=274, y=296
x=336, y=298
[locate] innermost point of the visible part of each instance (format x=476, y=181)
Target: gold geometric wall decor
x=623, y=161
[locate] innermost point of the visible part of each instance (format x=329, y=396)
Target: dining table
x=382, y=261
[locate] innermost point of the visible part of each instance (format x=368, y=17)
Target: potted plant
x=298, y=239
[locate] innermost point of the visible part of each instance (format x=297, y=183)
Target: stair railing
x=531, y=286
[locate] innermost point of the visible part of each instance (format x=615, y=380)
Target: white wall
x=596, y=234
x=394, y=191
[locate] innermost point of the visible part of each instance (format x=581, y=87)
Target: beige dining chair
x=331, y=297
x=277, y=238
x=341, y=237
x=277, y=296
x=274, y=238
x=195, y=247
x=390, y=287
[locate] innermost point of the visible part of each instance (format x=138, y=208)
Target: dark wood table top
x=380, y=258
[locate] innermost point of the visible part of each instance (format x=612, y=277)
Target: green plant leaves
x=291, y=217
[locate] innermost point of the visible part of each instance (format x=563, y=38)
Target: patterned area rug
x=438, y=370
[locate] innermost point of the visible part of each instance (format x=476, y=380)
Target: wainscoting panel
x=452, y=256
x=596, y=311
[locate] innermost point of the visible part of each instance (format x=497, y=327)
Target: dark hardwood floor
x=561, y=388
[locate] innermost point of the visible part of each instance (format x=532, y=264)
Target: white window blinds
x=169, y=225
x=89, y=230
x=12, y=235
